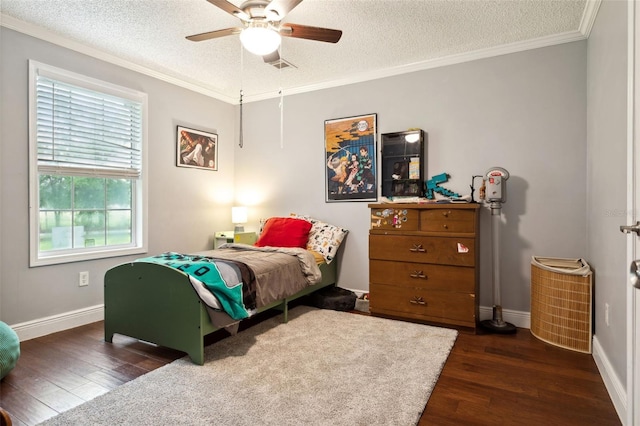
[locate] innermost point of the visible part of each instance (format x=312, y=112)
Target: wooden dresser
x=423, y=263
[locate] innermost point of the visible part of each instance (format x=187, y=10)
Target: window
x=87, y=141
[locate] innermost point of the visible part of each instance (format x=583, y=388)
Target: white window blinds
x=84, y=132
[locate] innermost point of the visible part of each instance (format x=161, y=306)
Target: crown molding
x=48, y=36
x=586, y=24
x=490, y=52
x=588, y=18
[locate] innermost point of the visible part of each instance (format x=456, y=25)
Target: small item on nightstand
x=245, y=238
x=222, y=237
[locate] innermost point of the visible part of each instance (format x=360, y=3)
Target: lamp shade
x=238, y=215
x=260, y=40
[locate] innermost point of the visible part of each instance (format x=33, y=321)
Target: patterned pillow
x=261, y=226
x=324, y=237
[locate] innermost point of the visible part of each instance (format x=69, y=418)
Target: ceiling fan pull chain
x=240, y=136
x=281, y=105
x=281, y=119
x=241, y=141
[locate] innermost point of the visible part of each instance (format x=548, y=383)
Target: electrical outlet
x=83, y=279
x=606, y=314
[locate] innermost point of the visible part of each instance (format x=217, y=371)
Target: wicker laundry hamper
x=561, y=300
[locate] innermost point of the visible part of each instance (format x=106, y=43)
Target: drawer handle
x=418, y=274
x=417, y=300
x=445, y=226
x=446, y=214
x=417, y=248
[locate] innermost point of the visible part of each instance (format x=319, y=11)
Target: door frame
x=633, y=207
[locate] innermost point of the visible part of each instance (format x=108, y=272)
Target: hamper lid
x=562, y=265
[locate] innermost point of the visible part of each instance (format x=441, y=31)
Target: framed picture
x=350, y=157
x=196, y=149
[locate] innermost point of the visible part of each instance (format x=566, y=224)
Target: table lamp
x=238, y=218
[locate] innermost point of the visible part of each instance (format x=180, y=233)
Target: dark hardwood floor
x=488, y=379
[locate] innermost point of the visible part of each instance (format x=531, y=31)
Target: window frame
x=139, y=206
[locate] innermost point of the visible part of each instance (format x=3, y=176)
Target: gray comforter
x=279, y=272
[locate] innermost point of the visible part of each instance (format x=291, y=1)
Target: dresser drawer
x=421, y=275
x=439, y=306
x=421, y=249
x=448, y=220
x=394, y=219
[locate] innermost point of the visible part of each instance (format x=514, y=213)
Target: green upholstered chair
x=9, y=349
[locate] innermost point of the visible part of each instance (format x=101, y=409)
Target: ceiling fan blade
x=214, y=34
x=310, y=33
x=271, y=57
x=230, y=8
x=277, y=9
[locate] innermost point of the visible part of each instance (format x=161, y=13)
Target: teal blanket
x=206, y=270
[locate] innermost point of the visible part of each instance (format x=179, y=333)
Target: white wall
x=525, y=112
x=607, y=177
x=185, y=205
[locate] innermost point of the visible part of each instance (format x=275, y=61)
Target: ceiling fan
x=262, y=27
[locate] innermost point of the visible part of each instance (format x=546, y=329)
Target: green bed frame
x=157, y=304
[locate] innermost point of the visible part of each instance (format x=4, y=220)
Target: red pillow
x=284, y=232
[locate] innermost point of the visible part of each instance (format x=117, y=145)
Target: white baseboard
x=53, y=324
x=614, y=386
x=43, y=326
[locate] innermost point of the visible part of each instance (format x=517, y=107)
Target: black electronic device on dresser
x=403, y=163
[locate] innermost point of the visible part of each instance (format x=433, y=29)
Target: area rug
x=323, y=367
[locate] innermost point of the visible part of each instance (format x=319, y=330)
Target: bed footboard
x=157, y=304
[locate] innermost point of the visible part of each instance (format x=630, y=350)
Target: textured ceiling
x=380, y=37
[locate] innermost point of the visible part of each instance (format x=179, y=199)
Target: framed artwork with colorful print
x=350, y=146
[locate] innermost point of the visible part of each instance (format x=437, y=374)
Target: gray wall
x=607, y=176
x=185, y=205
x=525, y=112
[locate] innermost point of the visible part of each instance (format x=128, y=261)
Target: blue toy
x=433, y=186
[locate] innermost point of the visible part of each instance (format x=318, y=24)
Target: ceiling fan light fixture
x=260, y=39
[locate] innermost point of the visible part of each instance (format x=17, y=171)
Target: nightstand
x=221, y=238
